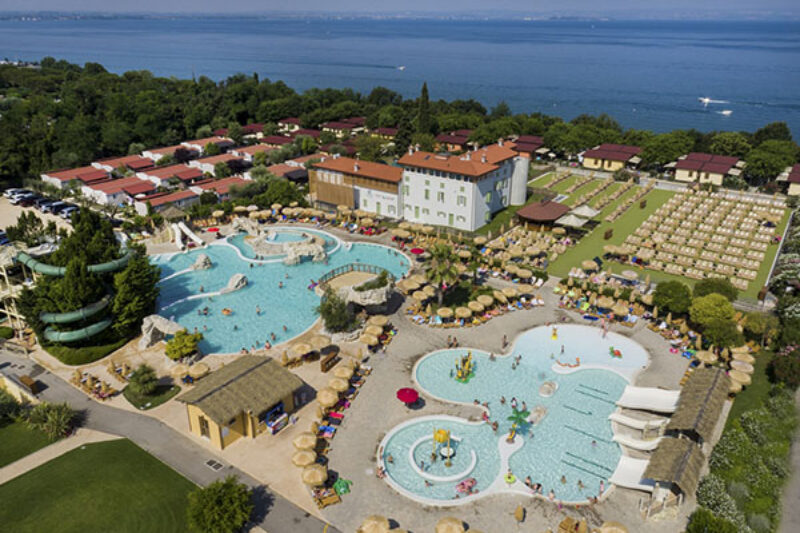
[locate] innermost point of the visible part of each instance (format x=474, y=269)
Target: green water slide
x=83, y=313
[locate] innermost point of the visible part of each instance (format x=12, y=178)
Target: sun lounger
x=649, y=399
x=629, y=474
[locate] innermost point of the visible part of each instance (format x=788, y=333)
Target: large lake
x=646, y=74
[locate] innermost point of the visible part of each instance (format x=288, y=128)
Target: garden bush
x=376, y=283
x=759, y=523
x=785, y=368
x=6, y=332
x=739, y=492
x=704, y=521
x=82, y=355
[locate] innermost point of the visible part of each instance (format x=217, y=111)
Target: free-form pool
x=291, y=306
x=574, y=439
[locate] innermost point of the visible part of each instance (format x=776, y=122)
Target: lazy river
x=280, y=291
x=572, y=437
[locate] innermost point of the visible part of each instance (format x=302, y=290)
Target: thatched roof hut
x=700, y=404
x=676, y=462
x=249, y=384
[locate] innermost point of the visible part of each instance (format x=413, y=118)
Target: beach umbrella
x=179, y=370
x=252, y=207
x=254, y=215
x=476, y=307
x=407, y=395
x=367, y=222
x=735, y=387
x=613, y=527
x=305, y=441
x=420, y=296
x=479, y=241
x=704, y=356
x=485, y=300
x=404, y=225
x=338, y=384
x=630, y=275
x=509, y=292
x=741, y=349
x=524, y=273
x=525, y=288
x=218, y=214
x=450, y=524
x=463, y=312
x=315, y=475
x=741, y=377
x=430, y=290
x=620, y=310
x=464, y=254
x=410, y=285
x=500, y=297
x=378, y=320
x=327, y=397
x=399, y=232
x=374, y=524
x=198, y=370
x=330, y=216
x=374, y=330
x=511, y=269
x=240, y=209
x=605, y=302
x=444, y=312
x=343, y=371
x=304, y=458
x=301, y=348
x=275, y=206
x=589, y=265
x=319, y=341
x=369, y=340
x=741, y=366
x=744, y=357
x=422, y=279
x=427, y=229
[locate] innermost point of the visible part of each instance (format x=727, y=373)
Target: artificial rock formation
x=203, y=262
x=237, y=281
x=155, y=328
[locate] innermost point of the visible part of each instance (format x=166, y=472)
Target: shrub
x=335, y=313
x=143, y=381
x=672, y=296
x=785, y=369
x=755, y=423
x=733, y=447
x=82, y=355
x=9, y=408
x=711, y=494
x=721, y=286
x=55, y=420
x=6, y=332
x=221, y=507
x=376, y=283
x=704, y=521
x=183, y=344
x=739, y=492
x=759, y=523
x=710, y=307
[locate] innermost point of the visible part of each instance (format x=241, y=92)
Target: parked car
x=28, y=201
x=15, y=200
x=54, y=207
x=43, y=201
x=66, y=213
x=8, y=193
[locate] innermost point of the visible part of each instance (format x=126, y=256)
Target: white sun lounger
x=629, y=474
x=649, y=399
x=637, y=423
x=637, y=444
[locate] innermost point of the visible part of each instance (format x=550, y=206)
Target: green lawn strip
x=562, y=186
x=592, y=244
x=580, y=191
x=542, y=181
x=755, y=394
x=106, y=486
x=18, y=440
x=612, y=188
x=162, y=394
x=504, y=217
x=769, y=256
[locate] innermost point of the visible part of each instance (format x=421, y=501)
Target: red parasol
x=212, y=230
x=417, y=251
x=407, y=395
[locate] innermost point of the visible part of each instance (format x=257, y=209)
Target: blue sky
x=723, y=8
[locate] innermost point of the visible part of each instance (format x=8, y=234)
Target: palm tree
x=442, y=269
x=518, y=419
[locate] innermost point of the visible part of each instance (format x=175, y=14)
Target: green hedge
x=81, y=355
x=6, y=332
x=162, y=394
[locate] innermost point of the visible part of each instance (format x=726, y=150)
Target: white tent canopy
x=572, y=221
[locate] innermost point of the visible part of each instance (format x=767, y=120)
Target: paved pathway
x=58, y=448
x=790, y=518
x=273, y=512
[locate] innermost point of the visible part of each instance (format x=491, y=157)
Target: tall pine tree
x=424, y=113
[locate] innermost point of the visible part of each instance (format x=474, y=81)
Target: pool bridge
x=337, y=272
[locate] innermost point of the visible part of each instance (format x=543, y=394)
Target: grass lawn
x=611, y=189
x=17, y=440
x=106, y=486
x=562, y=186
x=580, y=191
x=542, y=181
x=504, y=217
x=755, y=394
x=161, y=395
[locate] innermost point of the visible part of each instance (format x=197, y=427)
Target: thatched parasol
x=464, y=254
x=740, y=376
x=301, y=348
x=444, y=312
x=430, y=290
x=422, y=279
x=374, y=330
x=399, y=232
x=327, y=397
x=704, y=356
x=378, y=320
x=463, y=312
x=476, y=307
x=589, y=265
x=605, y=302
x=374, y=524
x=276, y=206
x=525, y=288
x=369, y=340
x=630, y=275
x=420, y=296
x=179, y=371
x=479, y=241
x=408, y=285
x=315, y=475
x=741, y=349
x=304, y=458
x=524, y=273
x=319, y=341
x=338, y=384
x=305, y=441
x=613, y=527
x=343, y=371
x=404, y=225
x=450, y=524
x=559, y=231
x=741, y=366
x=500, y=297
x=198, y=370
x=511, y=269
x=745, y=357
x=509, y=292
x=240, y=209
x=735, y=387
x=485, y=300
x=620, y=310
x=218, y=214
x=427, y=229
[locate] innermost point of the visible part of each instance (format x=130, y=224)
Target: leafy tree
x=442, y=270
x=761, y=325
x=235, y=133
x=721, y=286
x=501, y=110
x=135, y=293
x=704, y=521
x=723, y=333
x=769, y=158
x=29, y=229
x=9, y=407
x=776, y=131
x=221, y=507
x=222, y=170
x=785, y=368
x=730, y=143
x=424, y=122
x=183, y=344
x=55, y=420
x=281, y=191
x=369, y=148
x=204, y=131
x=665, y=148
x=335, y=313
x=425, y=141
x=143, y=381
x=136, y=148
x=710, y=307
x=211, y=149
x=672, y=296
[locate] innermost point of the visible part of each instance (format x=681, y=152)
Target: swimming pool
x=573, y=439
x=292, y=306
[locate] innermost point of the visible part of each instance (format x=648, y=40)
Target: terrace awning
x=676, y=461
x=700, y=403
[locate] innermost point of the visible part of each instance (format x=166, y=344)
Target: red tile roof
x=715, y=164
x=452, y=138
x=613, y=152
x=221, y=158
x=139, y=188
x=247, y=129
x=357, y=121
x=82, y=173
x=252, y=149
x=303, y=159
x=218, y=140
x=222, y=186
x=166, y=198
x=546, y=211
x=363, y=169
x=279, y=140
x=305, y=131
x=391, y=132
x=117, y=185
x=133, y=162
x=169, y=150
x=474, y=164
x=794, y=174
x=290, y=120
x=338, y=125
